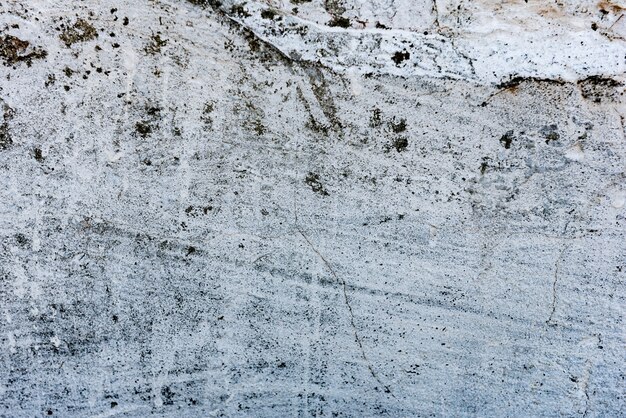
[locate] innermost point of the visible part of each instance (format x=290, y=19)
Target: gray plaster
x=355, y=208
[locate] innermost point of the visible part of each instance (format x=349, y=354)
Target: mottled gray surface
x=356, y=208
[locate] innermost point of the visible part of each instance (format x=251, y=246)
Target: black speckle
x=239, y=10
x=483, y=167
x=398, y=126
x=400, y=56
x=550, y=133
x=401, y=143
x=168, y=396
x=268, y=14
x=339, y=21
x=21, y=239
x=143, y=128
x=313, y=180
x=155, y=44
x=507, y=139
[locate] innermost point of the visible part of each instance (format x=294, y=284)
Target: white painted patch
x=575, y=153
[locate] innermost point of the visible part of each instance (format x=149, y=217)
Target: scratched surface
x=224, y=209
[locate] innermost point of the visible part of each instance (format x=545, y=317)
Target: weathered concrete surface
x=355, y=208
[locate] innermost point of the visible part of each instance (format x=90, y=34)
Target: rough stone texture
x=307, y=208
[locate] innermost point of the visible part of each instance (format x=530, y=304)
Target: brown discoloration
x=155, y=44
x=81, y=31
x=13, y=50
x=609, y=6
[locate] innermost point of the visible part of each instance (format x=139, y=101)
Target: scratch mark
x=618, y=19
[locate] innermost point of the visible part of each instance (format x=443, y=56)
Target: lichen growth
x=13, y=50
x=81, y=31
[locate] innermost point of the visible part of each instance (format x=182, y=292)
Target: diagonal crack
x=357, y=336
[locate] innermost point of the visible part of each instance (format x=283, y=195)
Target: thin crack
x=357, y=337
x=344, y=287
x=557, y=266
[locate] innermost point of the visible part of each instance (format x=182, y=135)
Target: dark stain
x=597, y=87
x=313, y=180
x=515, y=82
x=269, y=14
x=205, y=2
x=400, y=56
x=143, y=128
x=484, y=165
x=340, y=22
x=167, y=395
x=334, y=7
x=550, y=133
x=5, y=134
x=153, y=111
x=507, y=139
x=206, y=115
x=376, y=119
x=51, y=80
x=400, y=144
x=239, y=10
x=38, y=154
x=398, y=126
x=22, y=240
x=321, y=91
